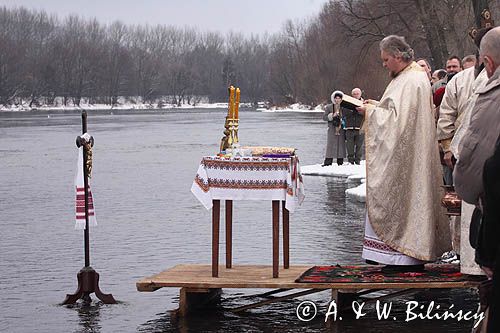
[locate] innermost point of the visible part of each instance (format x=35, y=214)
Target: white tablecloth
x=249, y=178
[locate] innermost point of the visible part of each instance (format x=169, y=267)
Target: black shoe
x=371, y=262
x=340, y=161
x=328, y=161
x=351, y=160
x=357, y=162
x=402, y=268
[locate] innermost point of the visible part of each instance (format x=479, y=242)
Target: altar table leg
x=229, y=233
x=215, y=237
x=286, y=237
x=276, y=237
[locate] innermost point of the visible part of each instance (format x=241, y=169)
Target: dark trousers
x=447, y=175
x=494, y=312
x=354, y=143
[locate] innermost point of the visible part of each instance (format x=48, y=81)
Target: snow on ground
x=334, y=170
x=357, y=193
x=351, y=172
x=120, y=106
x=293, y=108
x=124, y=103
x=134, y=103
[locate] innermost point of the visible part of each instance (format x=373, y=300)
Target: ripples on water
x=144, y=164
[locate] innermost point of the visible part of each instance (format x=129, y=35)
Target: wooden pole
x=88, y=278
x=86, y=186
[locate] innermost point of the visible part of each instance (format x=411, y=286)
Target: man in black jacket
x=488, y=249
x=354, y=139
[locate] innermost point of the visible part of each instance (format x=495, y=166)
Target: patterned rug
x=371, y=274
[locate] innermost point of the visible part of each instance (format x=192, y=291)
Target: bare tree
x=77, y=59
x=116, y=61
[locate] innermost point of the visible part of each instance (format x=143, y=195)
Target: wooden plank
x=275, y=299
x=259, y=276
x=267, y=294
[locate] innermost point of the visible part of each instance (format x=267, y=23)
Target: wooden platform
x=260, y=276
x=198, y=289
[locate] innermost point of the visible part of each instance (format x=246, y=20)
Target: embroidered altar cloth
x=249, y=178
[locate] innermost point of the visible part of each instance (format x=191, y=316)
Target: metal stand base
x=88, y=282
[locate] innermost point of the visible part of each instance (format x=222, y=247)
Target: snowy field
x=352, y=172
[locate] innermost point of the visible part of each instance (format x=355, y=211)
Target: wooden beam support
x=276, y=299
x=193, y=299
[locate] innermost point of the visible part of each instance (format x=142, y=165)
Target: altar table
x=249, y=178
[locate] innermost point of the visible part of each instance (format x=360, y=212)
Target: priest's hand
x=371, y=102
x=365, y=107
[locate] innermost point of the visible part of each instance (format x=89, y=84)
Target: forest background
x=45, y=60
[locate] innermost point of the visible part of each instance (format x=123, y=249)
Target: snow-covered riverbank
x=136, y=104
x=293, y=108
x=120, y=106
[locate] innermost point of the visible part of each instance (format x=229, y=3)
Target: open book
x=350, y=102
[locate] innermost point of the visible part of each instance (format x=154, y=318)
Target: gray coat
x=335, y=144
x=478, y=143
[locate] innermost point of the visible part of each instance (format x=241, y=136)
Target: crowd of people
x=430, y=128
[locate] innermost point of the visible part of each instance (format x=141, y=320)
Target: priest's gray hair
x=397, y=46
x=490, y=45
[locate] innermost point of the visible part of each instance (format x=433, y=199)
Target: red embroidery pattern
x=377, y=245
x=246, y=164
x=247, y=184
x=80, y=203
x=202, y=184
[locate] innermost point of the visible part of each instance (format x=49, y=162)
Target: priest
x=405, y=223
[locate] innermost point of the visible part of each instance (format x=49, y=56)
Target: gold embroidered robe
x=403, y=171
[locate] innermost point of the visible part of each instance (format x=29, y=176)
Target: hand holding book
x=350, y=102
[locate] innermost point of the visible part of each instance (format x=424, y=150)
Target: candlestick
x=237, y=104
x=231, y=103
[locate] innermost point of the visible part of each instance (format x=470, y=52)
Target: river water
x=148, y=221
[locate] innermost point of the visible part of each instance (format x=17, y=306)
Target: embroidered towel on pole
x=80, y=197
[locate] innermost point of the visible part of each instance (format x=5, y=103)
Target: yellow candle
x=237, y=104
x=231, y=103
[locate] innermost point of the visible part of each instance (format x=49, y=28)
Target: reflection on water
x=89, y=315
x=144, y=164
x=281, y=317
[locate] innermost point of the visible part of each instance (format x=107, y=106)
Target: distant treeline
x=43, y=57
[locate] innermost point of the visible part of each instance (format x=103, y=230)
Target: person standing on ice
x=335, y=144
x=405, y=223
x=353, y=134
